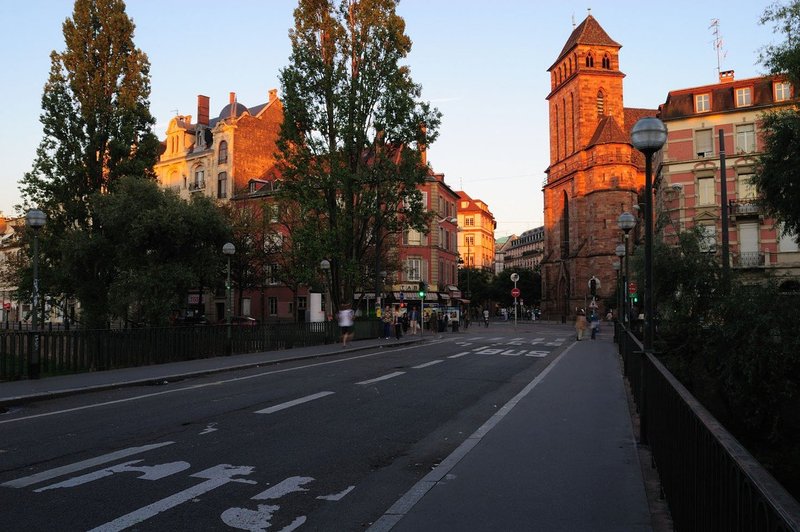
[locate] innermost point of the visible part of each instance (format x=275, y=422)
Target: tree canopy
x=353, y=133
x=778, y=176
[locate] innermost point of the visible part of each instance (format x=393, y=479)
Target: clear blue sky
x=483, y=64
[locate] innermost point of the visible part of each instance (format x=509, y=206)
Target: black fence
x=710, y=481
x=77, y=350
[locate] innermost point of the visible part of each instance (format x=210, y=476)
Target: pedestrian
x=398, y=324
x=387, y=322
x=413, y=318
x=345, y=318
x=580, y=324
x=486, y=317
x=466, y=319
x=594, y=324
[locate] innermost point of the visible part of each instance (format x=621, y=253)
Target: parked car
x=243, y=321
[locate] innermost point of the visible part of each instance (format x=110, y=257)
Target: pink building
x=689, y=188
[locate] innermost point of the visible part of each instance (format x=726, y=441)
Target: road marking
x=211, y=427
x=156, y=472
x=385, y=377
x=296, y=402
x=286, y=486
x=217, y=383
x=537, y=354
x=459, y=355
x=336, y=496
x=85, y=464
x=428, y=364
x=217, y=476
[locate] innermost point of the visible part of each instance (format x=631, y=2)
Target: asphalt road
x=325, y=444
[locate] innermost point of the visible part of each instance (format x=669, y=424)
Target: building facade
x=501, y=246
x=689, y=191
x=526, y=251
x=594, y=175
x=476, y=243
x=430, y=257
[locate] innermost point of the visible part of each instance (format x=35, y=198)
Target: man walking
x=413, y=318
x=345, y=317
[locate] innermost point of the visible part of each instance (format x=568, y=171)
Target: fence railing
x=711, y=482
x=78, y=350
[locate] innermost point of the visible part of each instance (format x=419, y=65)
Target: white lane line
x=79, y=466
x=427, y=364
x=385, y=377
x=289, y=404
x=215, y=383
x=459, y=355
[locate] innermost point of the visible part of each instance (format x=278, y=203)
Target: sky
x=482, y=64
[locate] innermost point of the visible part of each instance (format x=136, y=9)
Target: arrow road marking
x=217, y=476
x=79, y=466
x=156, y=472
x=296, y=402
x=284, y=487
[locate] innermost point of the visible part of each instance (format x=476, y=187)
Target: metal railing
x=711, y=482
x=749, y=259
x=78, y=350
x=744, y=207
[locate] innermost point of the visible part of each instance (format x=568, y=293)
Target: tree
x=97, y=128
x=529, y=284
x=156, y=248
x=353, y=134
x=778, y=175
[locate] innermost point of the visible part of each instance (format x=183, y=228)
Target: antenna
x=718, y=42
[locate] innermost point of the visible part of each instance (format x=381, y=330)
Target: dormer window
x=702, y=103
x=223, y=152
x=782, y=91
x=606, y=62
x=744, y=97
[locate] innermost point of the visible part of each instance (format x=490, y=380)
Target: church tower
x=595, y=174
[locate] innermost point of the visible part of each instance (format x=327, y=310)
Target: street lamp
x=621, y=251
x=325, y=265
x=648, y=136
x=228, y=250
x=35, y=219
x=625, y=222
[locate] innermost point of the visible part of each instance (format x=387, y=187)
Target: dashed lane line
x=289, y=404
x=383, y=378
x=428, y=364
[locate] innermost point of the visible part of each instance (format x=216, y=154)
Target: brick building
x=595, y=174
x=689, y=188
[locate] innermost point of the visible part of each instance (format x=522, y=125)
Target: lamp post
x=625, y=222
x=648, y=136
x=617, y=267
x=35, y=219
x=325, y=265
x=228, y=250
x=621, y=288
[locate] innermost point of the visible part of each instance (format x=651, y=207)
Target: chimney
x=202, y=109
x=726, y=76
x=273, y=95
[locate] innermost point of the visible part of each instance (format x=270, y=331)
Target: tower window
x=606, y=62
x=601, y=106
x=589, y=60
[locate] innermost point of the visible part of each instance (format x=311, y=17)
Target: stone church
x=595, y=173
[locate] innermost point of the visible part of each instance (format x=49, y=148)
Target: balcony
x=749, y=259
x=745, y=207
x=197, y=185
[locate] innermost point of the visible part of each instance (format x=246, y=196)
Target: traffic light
x=423, y=289
x=593, y=287
x=635, y=297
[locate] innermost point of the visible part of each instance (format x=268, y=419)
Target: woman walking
x=580, y=324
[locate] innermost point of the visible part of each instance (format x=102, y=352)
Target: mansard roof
x=589, y=33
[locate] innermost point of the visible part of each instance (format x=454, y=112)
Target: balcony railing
x=197, y=185
x=744, y=207
x=749, y=259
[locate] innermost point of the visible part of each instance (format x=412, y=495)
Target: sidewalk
x=22, y=391
x=559, y=456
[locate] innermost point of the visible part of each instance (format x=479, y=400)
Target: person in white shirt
x=346, y=317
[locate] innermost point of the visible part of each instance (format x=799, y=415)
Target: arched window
x=606, y=62
x=589, y=60
x=574, y=125
x=558, y=137
x=565, y=228
x=601, y=108
x=223, y=152
x=564, y=124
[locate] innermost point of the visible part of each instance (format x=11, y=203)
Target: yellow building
x=476, y=223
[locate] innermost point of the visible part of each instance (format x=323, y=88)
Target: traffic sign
x=632, y=287
x=515, y=292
